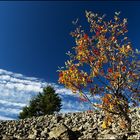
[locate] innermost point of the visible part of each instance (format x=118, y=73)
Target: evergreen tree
x=44, y=103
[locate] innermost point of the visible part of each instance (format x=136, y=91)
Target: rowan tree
x=103, y=62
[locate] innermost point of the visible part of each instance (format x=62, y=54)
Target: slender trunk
x=123, y=109
x=128, y=121
x=127, y=118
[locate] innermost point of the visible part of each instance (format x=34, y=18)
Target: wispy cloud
x=16, y=90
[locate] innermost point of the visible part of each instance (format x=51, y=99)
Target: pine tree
x=44, y=103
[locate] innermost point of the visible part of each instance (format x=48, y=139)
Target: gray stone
x=81, y=125
x=68, y=121
x=107, y=131
x=81, y=128
x=33, y=134
x=62, y=132
x=57, y=131
x=45, y=132
x=110, y=137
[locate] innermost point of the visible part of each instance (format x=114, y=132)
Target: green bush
x=44, y=103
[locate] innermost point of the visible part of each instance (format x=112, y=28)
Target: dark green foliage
x=44, y=103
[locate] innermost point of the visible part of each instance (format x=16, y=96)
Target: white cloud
x=12, y=103
x=6, y=118
x=16, y=90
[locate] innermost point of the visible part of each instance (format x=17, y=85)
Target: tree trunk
x=126, y=116
x=128, y=121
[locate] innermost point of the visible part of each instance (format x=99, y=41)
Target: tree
x=44, y=103
x=104, y=63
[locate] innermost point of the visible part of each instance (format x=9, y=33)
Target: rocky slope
x=82, y=125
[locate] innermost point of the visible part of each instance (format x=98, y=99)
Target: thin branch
x=105, y=84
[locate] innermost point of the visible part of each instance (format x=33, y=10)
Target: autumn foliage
x=103, y=62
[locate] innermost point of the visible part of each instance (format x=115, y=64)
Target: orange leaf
x=110, y=70
x=123, y=68
x=105, y=100
x=91, y=59
x=60, y=74
x=85, y=36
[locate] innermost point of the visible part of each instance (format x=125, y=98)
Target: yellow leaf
x=81, y=94
x=111, y=106
x=108, y=95
x=122, y=124
x=104, y=125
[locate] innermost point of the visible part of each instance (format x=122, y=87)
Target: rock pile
x=82, y=125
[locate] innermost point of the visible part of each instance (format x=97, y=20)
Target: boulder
x=61, y=132
x=33, y=134
x=44, y=133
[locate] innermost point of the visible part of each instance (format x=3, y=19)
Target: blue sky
x=34, y=36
